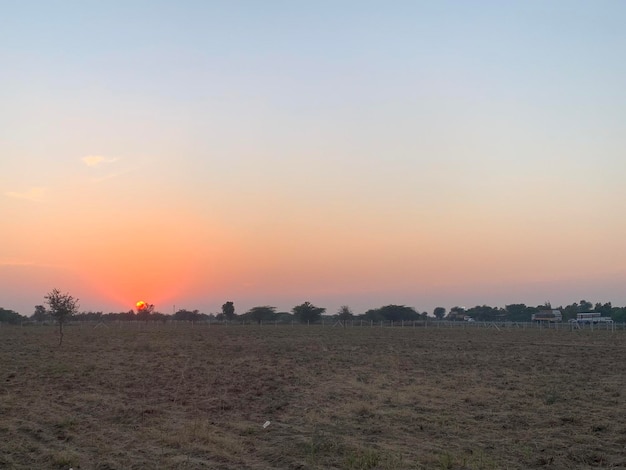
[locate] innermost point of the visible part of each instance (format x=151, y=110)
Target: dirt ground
x=141, y=396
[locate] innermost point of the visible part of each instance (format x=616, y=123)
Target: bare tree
x=62, y=308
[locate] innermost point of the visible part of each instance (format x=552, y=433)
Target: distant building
x=553, y=316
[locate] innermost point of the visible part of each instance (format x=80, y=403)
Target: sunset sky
x=425, y=153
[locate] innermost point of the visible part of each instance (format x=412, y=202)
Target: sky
x=360, y=153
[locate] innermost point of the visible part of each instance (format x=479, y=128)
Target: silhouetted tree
x=604, y=309
x=439, y=313
x=62, y=308
x=570, y=311
x=618, y=314
x=261, y=314
x=40, y=313
x=486, y=313
x=344, y=314
x=145, y=312
x=519, y=312
x=308, y=313
x=284, y=317
x=228, y=310
x=187, y=315
x=373, y=314
x=398, y=313
x=10, y=316
x=456, y=313
x=392, y=313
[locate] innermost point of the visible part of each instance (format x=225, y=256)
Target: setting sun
x=141, y=305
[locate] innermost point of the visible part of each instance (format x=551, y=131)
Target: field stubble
x=158, y=396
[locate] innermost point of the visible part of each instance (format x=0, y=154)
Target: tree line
x=311, y=314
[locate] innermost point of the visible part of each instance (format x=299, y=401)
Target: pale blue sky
x=489, y=134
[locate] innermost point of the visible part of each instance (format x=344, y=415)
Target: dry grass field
x=167, y=397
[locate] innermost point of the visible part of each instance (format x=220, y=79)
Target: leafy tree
x=228, y=310
x=284, y=317
x=187, y=315
x=145, y=312
x=618, y=314
x=486, y=313
x=128, y=316
x=373, y=314
x=392, y=313
x=439, y=313
x=584, y=306
x=570, y=311
x=398, y=312
x=89, y=316
x=456, y=313
x=344, y=314
x=519, y=312
x=604, y=309
x=162, y=317
x=260, y=314
x=10, y=316
x=62, y=308
x=308, y=313
x=40, y=313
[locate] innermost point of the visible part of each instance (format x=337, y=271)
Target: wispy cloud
x=96, y=160
x=32, y=194
x=15, y=262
